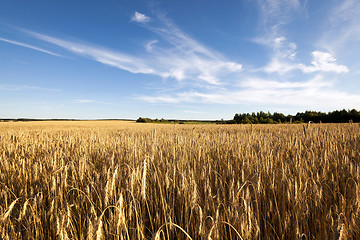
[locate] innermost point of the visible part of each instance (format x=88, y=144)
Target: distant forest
x=338, y=116
x=342, y=116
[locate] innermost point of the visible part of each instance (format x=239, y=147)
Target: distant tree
x=279, y=117
x=355, y=115
x=143, y=120
x=336, y=116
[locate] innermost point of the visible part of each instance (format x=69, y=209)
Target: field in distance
x=127, y=180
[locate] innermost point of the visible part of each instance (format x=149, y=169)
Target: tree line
x=176, y=121
x=337, y=116
x=149, y=120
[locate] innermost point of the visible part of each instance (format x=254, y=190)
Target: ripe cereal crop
x=126, y=180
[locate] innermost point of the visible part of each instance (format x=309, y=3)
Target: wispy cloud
x=277, y=12
x=315, y=93
x=322, y=62
x=89, y=101
x=280, y=66
x=258, y=83
x=12, y=87
x=325, y=62
x=180, y=57
x=187, y=58
x=102, y=55
x=193, y=112
x=343, y=24
x=275, y=15
x=83, y=101
x=345, y=11
x=29, y=46
x=149, y=45
x=140, y=18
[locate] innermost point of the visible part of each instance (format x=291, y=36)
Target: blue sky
x=177, y=59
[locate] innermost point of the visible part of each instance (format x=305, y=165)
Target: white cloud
x=233, y=67
x=189, y=56
x=86, y=101
x=12, y=87
x=149, y=45
x=194, y=112
x=181, y=57
x=283, y=56
x=105, y=56
x=278, y=66
x=29, y=46
x=83, y=101
x=322, y=62
x=159, y=99
x=279, y=44
x=315, y=93
x=274, y=12
x=343, y=29
x=278, y=41
x=283, y=59
x=208, y=77
x=140, y=18
x=345, y=11
x=325, y=62
x=258, y=83
x=176, y=73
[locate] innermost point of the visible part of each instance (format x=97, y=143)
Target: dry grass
x=119, y=180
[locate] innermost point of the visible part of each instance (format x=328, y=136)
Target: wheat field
x=124, y=180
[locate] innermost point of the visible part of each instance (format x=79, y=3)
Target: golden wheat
x=122, y=180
